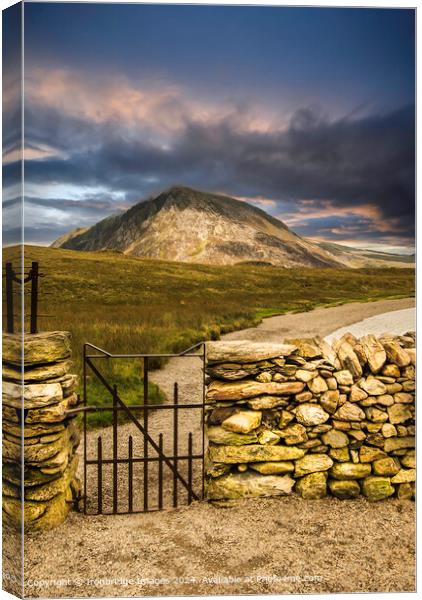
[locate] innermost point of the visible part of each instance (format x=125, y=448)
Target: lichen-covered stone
x=267, y=436
x=396, y=354
x=349, y=412
x=312, y=463
x=35, y=395
x=404, y=476
x=349, y=360
x=368, y=454
x=246, y=352
x=294, y=434
x=249, y=485
x=374, y=352
x=311, y=414
x=249, y=389
x=312, y=486
x=335, y=439
x=409, y=459
x=329, y=401
x=267, y=402
x=318, y=385
x=399, y=413
x=387, y=466
x=38, y=348
x=377, y=488
x=218, y=435
x=344, y=489
x=373, y=386
x=243, y=421
x=254, y=453
x=349, y=470
x=273, y=468
x=340, y=454
x=397, y=443
x=343, y=377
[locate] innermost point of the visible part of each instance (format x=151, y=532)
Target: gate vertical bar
x=85, y=423
x=130, y=475
x=100, y=474
x=160, y=472
x=146, y=366
x=175, y=440
x=115, y=413
x=34, y=297
x=190, y=478
x=9, y=298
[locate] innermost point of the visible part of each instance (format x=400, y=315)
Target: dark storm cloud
x=350, y=162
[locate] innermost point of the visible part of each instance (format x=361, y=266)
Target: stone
x=249, y=485
x=406, y=491
x=377, y=488
x=47, y=491
x=218, y=435
x=329, y=401
x=317, y=385
x=218, y=415
x=312, y=463
x=39, y=516
x=403, y=398
x=37, y=373
x=394, y=388
x=396, y=354
x=349, y=412
x=341, y=425
x=409, y=459
x=357, y=434
x=409, y=386
x=376, y=439
x=264, y=377
x=397, y=443
x=307, y=347
x=245, y=352
x=335, y=439
x=368, y=454
x=312, y=486
x=343, y=377
x=268, y=437
x=399, y=413
x=303, y=397
x=344, y=489
x=254, y=453
x=411, y=353
x=387, y=466
x=373, y=386
x=216, y=469
x=404, y=476
x=391, y=371
x=243, y=421
x=409, y=372
x=231, y=371
x=357, y=394
x=305, y=376
x=374, y=352
x=285, y=418
x=35, y=395
x=38, y=348
x=349, y=361
x=267, y=402
x=340, y=454
x=388, y=430
x=294, y=434
x=349, y=470
x=249, y=389
x=376, y=415
x=242, y=468
x=328, y=353
x=311, y=414
x=273, y=468
x=331, y=383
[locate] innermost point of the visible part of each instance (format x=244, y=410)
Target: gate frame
x=119, y=405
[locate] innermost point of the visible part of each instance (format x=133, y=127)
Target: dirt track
x=319, y=546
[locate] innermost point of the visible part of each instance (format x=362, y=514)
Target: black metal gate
x=152, y=455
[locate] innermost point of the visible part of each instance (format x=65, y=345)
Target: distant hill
x=188, y=225
x=359, y=258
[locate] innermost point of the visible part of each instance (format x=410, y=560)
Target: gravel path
x=319, y=546
x=397, y=322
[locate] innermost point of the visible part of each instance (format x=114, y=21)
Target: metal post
x=160, y=472
x=146, y=432
x=130, y=475
x=190, y=453
x=175, y=441
x=100, y=475
x=115, y=413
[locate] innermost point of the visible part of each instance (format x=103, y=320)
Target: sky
x=307, y=113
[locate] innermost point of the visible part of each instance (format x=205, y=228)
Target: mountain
x=188, y=225
x=359, y=258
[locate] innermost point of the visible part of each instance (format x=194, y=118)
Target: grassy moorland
x=127, y=304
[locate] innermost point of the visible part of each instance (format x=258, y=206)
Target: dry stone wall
x=48, y=440
x=312, y=418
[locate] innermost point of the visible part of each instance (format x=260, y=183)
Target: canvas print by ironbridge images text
x=208, y=300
